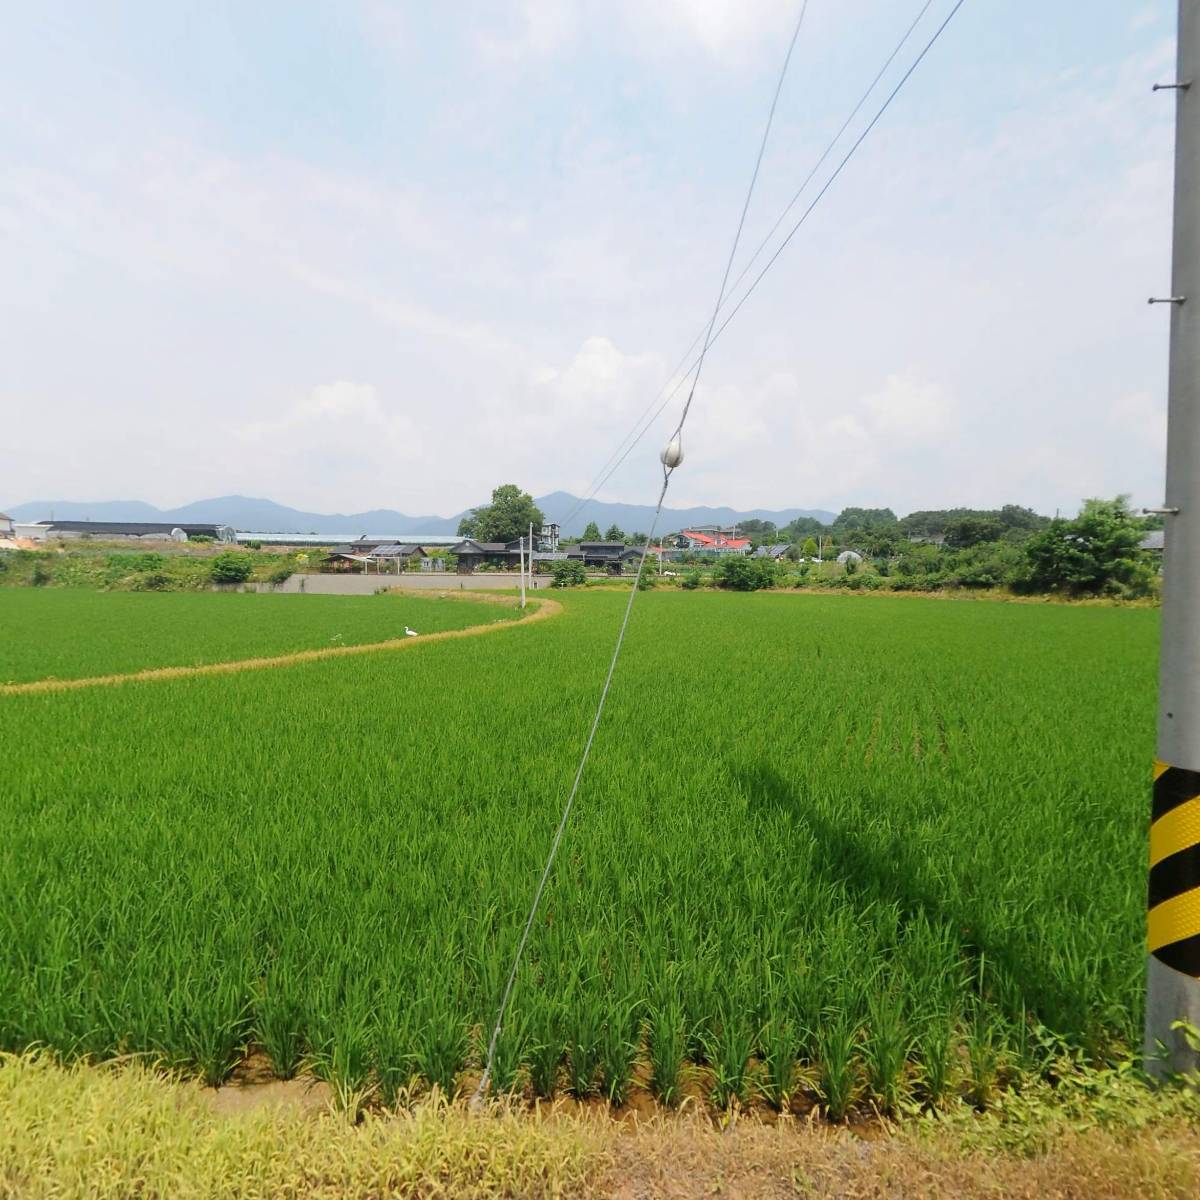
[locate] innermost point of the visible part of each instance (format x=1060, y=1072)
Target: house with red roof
x=711, y=540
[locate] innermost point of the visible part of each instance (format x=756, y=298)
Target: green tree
x=568, y=573
x=743, y=574
x=591, y=533
x=507, y=518
x=1016, y=522
x=964, y=532
x=880, y=543
x=802, y=527
x=809, y=549
x=1095, y=552
x=864, y=519
x=1014, y=517
x=231, y=567
x=760, y=532
x=614, y=534
x=986, y=565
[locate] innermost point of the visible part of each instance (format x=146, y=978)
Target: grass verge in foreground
x=123, y=1129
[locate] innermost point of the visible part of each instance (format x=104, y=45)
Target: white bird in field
x=409, y=632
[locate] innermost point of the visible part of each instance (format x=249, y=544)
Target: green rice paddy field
x=72, y=634
x=828, y=847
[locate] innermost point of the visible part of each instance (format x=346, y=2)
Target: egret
x=409, y=632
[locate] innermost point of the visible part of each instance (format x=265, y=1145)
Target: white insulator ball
x=672, y=453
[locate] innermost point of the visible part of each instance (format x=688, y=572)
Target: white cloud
x=515, y=258
x=586, y=402
x=723, y=29
x=909, y=408
x=327, y=439
x=1140, y=418
x=542, y=28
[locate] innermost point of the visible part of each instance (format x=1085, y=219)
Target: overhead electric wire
x=668, y=469
x=669, y=465
x=605, y=472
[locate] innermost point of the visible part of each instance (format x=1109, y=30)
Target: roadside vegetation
x=1011, y=551
x=127, y=1130
x=118, y=567
x=1008, y=551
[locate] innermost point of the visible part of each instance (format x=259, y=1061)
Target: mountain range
x=265, y=516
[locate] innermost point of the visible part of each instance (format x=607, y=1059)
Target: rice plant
x=838, y=1065
x=667, y=1050
x=332, y=861
x=886, y=1052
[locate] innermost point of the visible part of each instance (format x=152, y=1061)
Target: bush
x=743, y=574
x=281, y=573
x=987, y=565
x=153, y=581
x=568, y=573
x=692, y=580
x=231, y=567
x=148, y=560
x=1096, y=553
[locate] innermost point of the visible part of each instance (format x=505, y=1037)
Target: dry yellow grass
x=124, y=1130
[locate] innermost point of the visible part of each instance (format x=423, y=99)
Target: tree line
x=1096, y=552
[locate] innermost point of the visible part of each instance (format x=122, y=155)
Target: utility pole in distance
x=1173, y=926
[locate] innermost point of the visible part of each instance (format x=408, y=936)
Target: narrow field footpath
x=544, y=608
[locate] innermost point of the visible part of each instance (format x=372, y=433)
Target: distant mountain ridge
x=253, y=515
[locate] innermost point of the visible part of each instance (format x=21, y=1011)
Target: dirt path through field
x=545, y=608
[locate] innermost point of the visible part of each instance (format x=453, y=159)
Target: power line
x=671, y=457
x=610, y=467
x=669, y=465
x=737, y=237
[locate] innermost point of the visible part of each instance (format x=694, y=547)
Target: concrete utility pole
x=1173, y=941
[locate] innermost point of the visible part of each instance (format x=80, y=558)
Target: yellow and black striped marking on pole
x=1173, y=932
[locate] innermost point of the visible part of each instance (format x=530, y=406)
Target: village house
x=606, y=556
x=708, y=539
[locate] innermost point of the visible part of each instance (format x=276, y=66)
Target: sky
x=363, y=253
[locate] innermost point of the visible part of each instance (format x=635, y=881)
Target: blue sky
x=350, y=255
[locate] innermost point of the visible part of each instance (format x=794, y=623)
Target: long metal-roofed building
x=361, y=542
x=118, y=530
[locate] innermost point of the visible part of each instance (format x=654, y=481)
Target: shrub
x=230, y=567
x=692, y=580
x=153, y=581
x=745, y=574
x=568, y=573
x=281, y=573
x=1097, y=552
x=148, y=560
